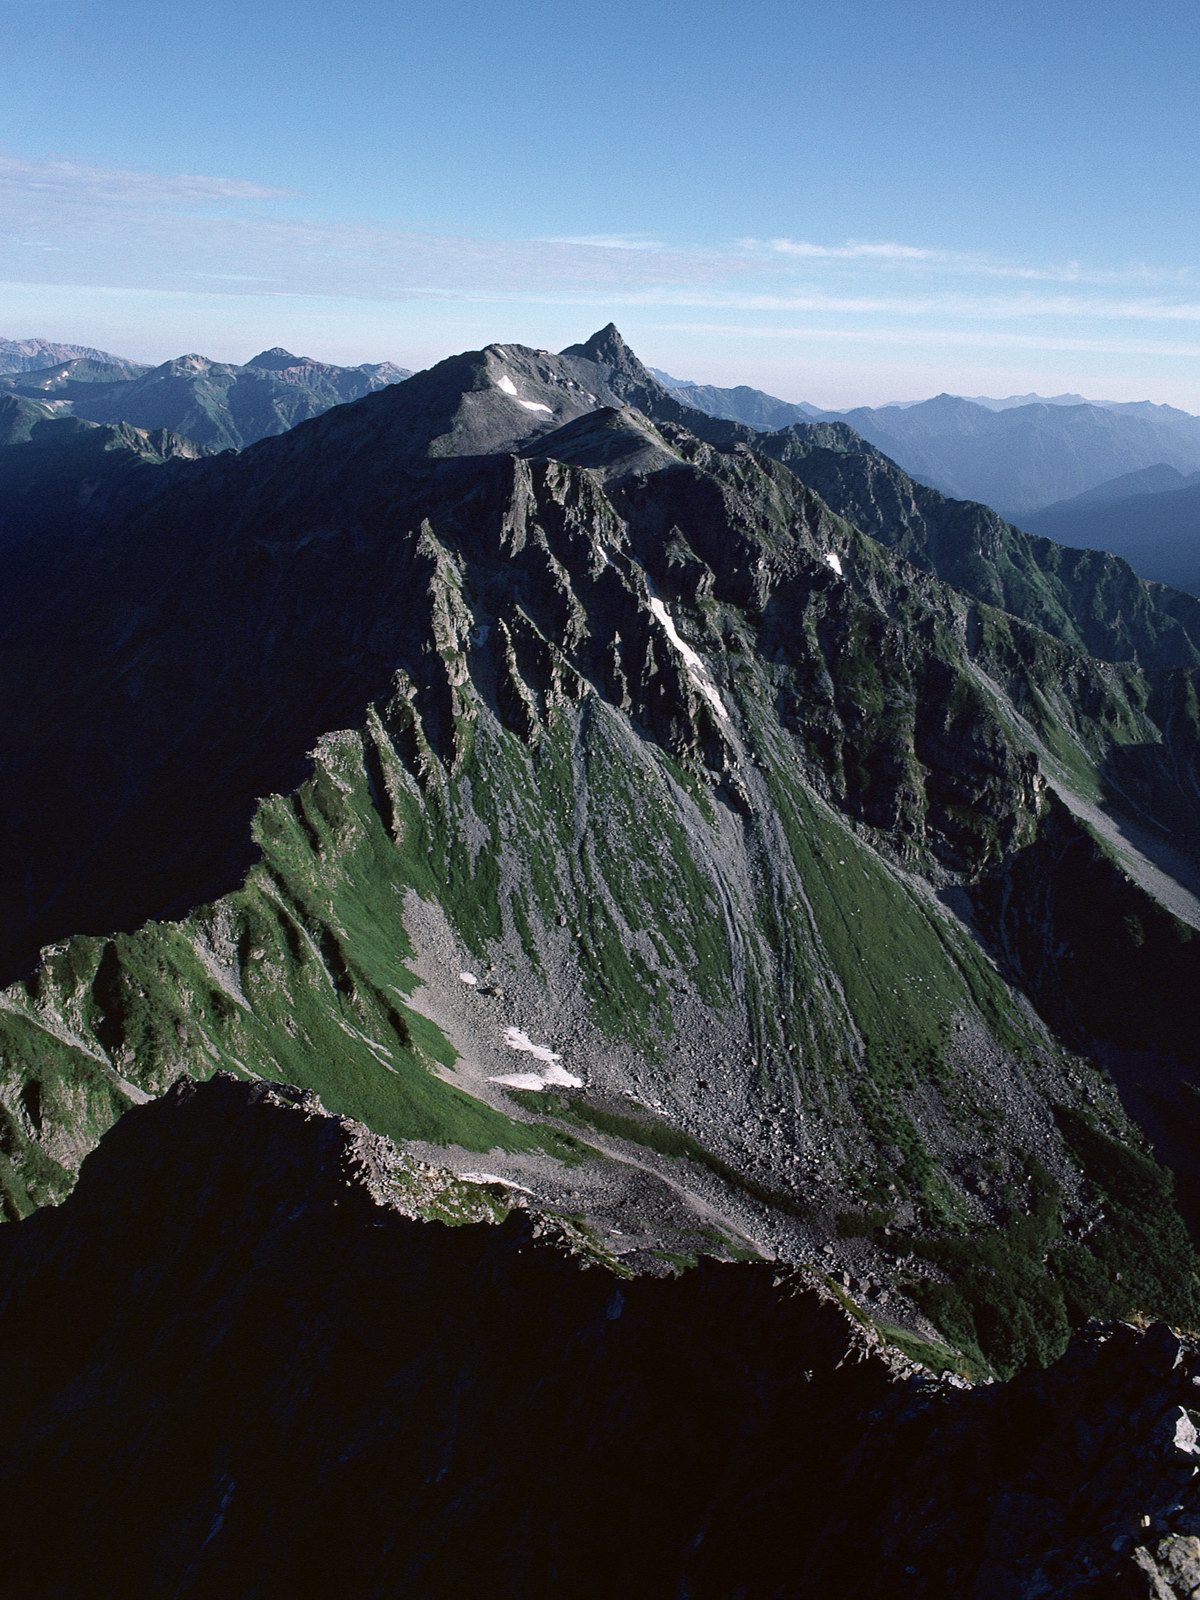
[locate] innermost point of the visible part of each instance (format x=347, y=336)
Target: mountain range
x=1020, y=455
x=1151, y=519
x=216, y=404
x=38, y=355
x=707, y=841
x=880, y=755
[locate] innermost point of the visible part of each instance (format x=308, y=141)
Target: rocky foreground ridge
x=235, y=1365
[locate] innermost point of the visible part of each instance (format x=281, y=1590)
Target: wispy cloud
x=971, y=308
x=853, y=250
x=74, y=180
x=609, y=241
x=67, y=223
x=891, y=253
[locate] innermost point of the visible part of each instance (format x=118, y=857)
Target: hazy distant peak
x=190, y=363
x=275, y=359
x=1010, y=402
x=35, y=355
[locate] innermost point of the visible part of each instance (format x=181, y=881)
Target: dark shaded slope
x=59, y=475
x=1091, y=601
x=281, y=1385
x=1157, y=533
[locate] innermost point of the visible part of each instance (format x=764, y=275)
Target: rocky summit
x=697, y=853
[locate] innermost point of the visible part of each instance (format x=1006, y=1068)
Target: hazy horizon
x=927, y=201
x=338, y=355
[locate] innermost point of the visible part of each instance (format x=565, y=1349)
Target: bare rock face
x=234, y=1366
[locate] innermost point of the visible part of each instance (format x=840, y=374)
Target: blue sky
x=840, y=203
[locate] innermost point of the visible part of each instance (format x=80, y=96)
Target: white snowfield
x=832, y=559
x=493, y=1177
x=508, y=387
x=697, y=670
x=554, y=1075
x=518, y=1039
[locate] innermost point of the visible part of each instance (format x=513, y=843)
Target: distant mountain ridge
x=218, y=405
x=1018, y=454
x=1022, y=458
x=1156, y=531
x=32, y=355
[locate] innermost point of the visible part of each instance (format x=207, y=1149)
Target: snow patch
x=493, y=1177
x=518, y=1039
x=561, y=1078
x=554, y=1075
x=508, y=387
x=697, y=670
x=832, y=559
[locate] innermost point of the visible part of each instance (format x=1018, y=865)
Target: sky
x=841, y=203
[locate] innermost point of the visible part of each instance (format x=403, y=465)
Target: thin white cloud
x=103, y=227
x=852, y=250
x=608, y=241
x=972, y=308
x=892, y=253
x=74, y=180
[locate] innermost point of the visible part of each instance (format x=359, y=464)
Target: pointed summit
x=608, y=349
x=275, y=359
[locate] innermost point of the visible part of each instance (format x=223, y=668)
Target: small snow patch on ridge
x=832, y=559
x=508, y=387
